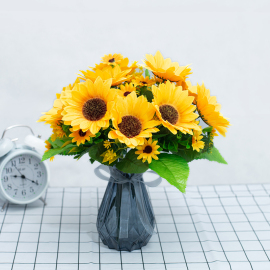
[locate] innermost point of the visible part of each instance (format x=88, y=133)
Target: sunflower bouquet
x=136, y=118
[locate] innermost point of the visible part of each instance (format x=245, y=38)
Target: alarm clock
x=24, y=177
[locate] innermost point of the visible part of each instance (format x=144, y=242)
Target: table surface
x=210, y=227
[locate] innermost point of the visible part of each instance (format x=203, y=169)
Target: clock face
x=24, y=177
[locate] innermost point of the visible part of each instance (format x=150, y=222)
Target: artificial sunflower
x=112, y=59
x=143, y=81
x=148, y=150
x=80, y=136
x=115, y=73
x=126, y=89
x=187, y=85
x=174, y=108
x=132, y=120
x=157, y=79
x=209, y=110
x=57, y=131
x=213, y=133
x=197, y=143
x=124, y=65
x=109, y=156
x=90, y=105
x=48, y=147
x=165, y=68
x=107, y=144
x=54, y=115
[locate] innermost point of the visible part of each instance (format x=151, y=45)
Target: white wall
x=43, y=44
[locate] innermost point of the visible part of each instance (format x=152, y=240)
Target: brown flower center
x=130, y=126
x=126, y=93
x=169, y=113
x=144, y=82
x=148, y=149
x=94, y=109
x=112, y=60
x=81, y=133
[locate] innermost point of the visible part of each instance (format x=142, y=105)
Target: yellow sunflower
x=112, y=59
x=165, y=68
x=80, y=136
x=174, y=108
x=148, y=150
x=212, y=135
x=54, y=115
x=132, y=120
x=107, y=144
x=126, y=89
x=109, y=156
x=124, y=65
x=197, y=143
x=57, y=130
x=115, y=73
x=143, y=81
x=48, y=147
x=90, y=105
x=157, y=79
x=209, y=110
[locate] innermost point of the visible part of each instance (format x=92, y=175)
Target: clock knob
x=35, y=142
x=5, y=146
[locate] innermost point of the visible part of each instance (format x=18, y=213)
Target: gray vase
x=125, y=218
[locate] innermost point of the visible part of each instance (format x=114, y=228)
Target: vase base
x=123, y=245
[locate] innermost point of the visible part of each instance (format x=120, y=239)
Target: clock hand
x=31, y=180
x=23, y=177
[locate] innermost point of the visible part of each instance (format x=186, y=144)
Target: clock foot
x=4, y=206
x=43, y=200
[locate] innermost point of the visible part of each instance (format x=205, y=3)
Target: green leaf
x=96, y=150
x=130, y=163
x=92, y=160
x=147, y=73
x=207, y=129
x=156, y=136
x=173, y=145
x=98, y=141
x=162, y=133
x=58, y=142
x=85, y=151
x=149, y=95
x=213, y=156
x=173, y=168
x=53, y=152
x=66, y=129
x=187, y=154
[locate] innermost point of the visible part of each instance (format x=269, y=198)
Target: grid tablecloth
x=210, y=227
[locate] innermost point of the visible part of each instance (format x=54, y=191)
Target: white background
x=43, y=44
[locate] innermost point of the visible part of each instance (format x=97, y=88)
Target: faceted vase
x=125, y=218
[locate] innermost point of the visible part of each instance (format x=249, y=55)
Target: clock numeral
x=8, y=170
x=22, y=160
x=9, y=186
x=24, y=192
x=5, y=178
x=36, y=166
x=16, y=191
x=29, y=160
x=13, y=163
x=31, y=189
x=39, y=174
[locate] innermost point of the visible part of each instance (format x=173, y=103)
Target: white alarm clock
x=24, y=177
